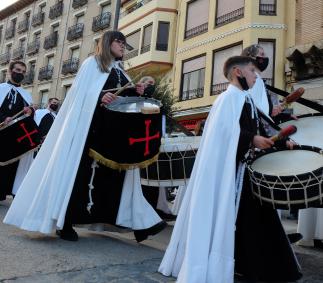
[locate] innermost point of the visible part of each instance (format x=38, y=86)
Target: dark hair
x=235, y=61
x=13, y=63
x=52, y=98
x=251, y=51
x=103, y=54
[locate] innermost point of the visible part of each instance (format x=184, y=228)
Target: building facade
x=53, y=38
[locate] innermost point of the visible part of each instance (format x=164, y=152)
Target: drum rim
x=303, y=116
x=14, y=121
x=133, y=99
x=317, y=171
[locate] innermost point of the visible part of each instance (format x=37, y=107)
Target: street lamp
x=116, y=15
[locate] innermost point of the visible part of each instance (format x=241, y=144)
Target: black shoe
x=318, y=244
x=68, y=234
x=143, y=234
x=294, y=237
x=166, y=216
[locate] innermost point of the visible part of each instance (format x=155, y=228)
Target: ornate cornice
x=230, y=32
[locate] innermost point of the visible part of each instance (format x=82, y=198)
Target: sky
x=5, y=3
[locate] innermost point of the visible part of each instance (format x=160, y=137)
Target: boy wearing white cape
x=210, y=242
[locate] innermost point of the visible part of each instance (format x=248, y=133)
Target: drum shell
x=288, y=192
x=11, y=149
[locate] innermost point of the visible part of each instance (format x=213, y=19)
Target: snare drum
x=309, y=129
x=175, y=163
x=131, y=134
x=18, y=137
x=288, y=179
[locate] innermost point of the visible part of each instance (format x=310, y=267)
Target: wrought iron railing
x=78, y=3
x=51, y=40
x=101, y=22
x=192, y=94
x=145, y=49
x=219, y=88
x=46, y=73
x=4, y=58
x=196, y=31
x=131, y=54
x=10, y=32
x=75, y=31
x=29, y=78
x=18, y=53
x=38, y=19
x=56, y=10
x=23, y=26
x=134, y=8
x=33, y=47
x=230, y=17
x=70, y=66
x=267, y=9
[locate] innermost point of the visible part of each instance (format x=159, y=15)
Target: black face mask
x=243, y=83
x=17, y=77
x=149, y=90
x=262, y=63
x=54, y=107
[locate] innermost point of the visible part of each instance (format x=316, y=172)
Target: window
x=132, y=45
x=75, y=53
x=193, y=78
x=219, y=82
x=32, y=66
x=80, y=19
x=50, y=60
x=269, y=47
x=146, y=38
x=228, y=11
x=22, y=42
x=267, y=7
x=8, y=48
x=37, y=36
x=105, y=8
x=43, y=98
x=66, y=89
x=197, y=16
x=162, y=36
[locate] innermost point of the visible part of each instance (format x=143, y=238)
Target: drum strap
x=269, y=121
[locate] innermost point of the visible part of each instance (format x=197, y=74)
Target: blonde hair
x=103, y=53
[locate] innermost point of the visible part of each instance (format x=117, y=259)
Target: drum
x=288, y=179
x=309, y=129
x=175, y=163
x=130, y=137
x=18, y=137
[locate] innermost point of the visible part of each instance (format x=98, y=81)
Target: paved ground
x=101, y=257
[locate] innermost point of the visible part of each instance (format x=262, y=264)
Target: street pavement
x=102, y=257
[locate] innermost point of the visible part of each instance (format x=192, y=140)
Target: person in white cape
x=204, y=246
x=59, y=189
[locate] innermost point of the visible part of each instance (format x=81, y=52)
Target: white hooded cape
x=259, y=96
x=201, y=249
x=5, y=88
x=43, y=197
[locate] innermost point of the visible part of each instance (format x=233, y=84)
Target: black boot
x=143, y=234
x=68, y=233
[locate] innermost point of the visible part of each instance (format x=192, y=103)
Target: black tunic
x=9, y=108
x=262, y=250
x=107, y=183
x=45, y=124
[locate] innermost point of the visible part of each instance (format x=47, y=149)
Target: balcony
x=33, y=47
x=18, y=53
x=78, y=3
x=192, y=94
x=46, y=73
x=56, y=10
x=38, y=19
x=230, y=17
x=29, y=78
x=134, y=8
x=196, y=31
x=70, y=66
x=10, y=32
x=4, y=58
x=145, y=49
x=101, y=22
x=131, y=54
x=267, y=9
x=219, y=88
x=51, y=41
x=75, y=32
x=23, y=26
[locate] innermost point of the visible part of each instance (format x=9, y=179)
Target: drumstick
x=284, y=133
x=292, y=97
x=13, y=117
x=114, y=89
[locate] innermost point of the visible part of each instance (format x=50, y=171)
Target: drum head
x=309, y=130
x=288, y=162
x=133, y=104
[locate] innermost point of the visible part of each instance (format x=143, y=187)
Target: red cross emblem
x=27, y=135
x=146, y=139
